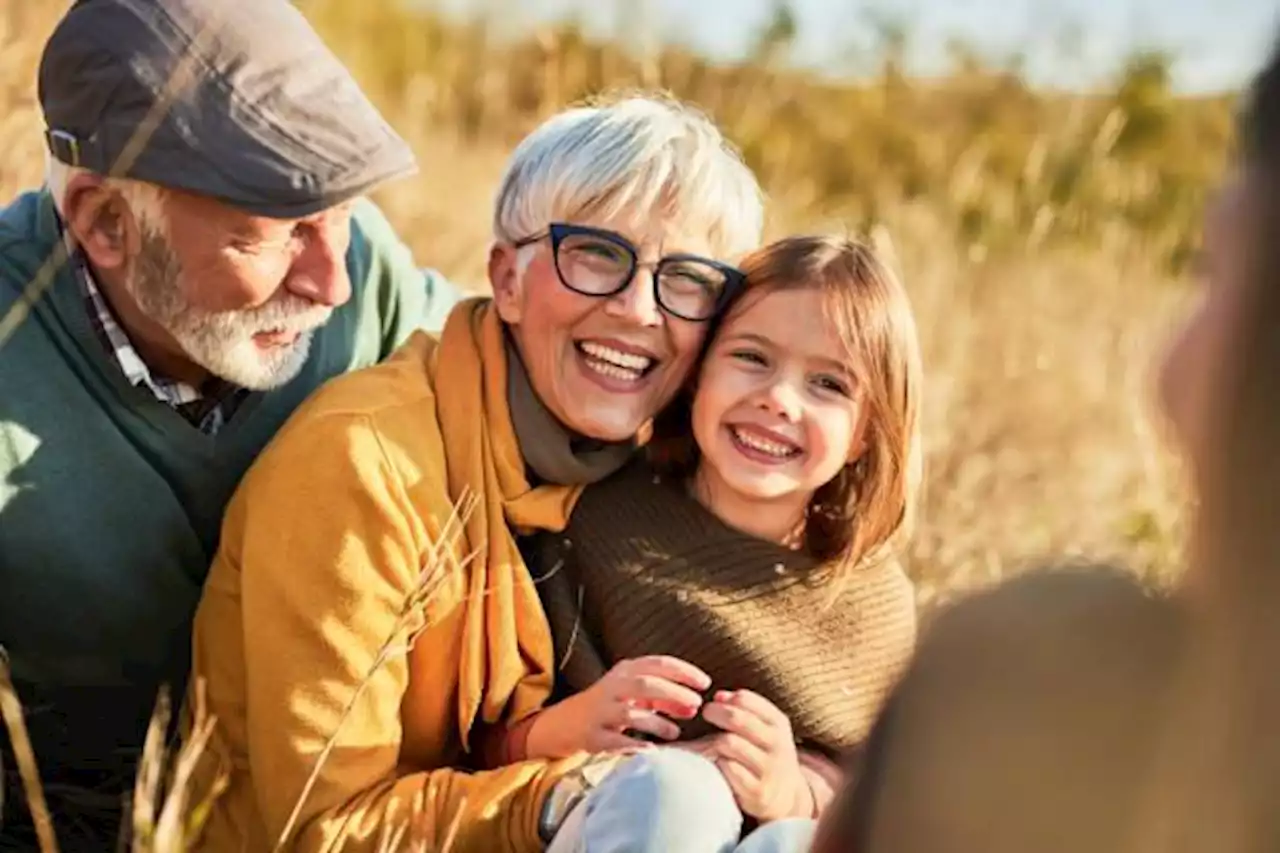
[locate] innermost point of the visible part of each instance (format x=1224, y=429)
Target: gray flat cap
x=257, y=112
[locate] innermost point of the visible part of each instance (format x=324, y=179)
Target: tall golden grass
x=165, y=814
x=1043, y=237
x=167, y=811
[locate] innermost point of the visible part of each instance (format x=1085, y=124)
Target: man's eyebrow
x=258, y=228
x=244, y=229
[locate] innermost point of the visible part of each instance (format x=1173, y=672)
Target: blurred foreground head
x=1240, y=317
x=1219, y=782
x=1024, y=723
x=1239, y=238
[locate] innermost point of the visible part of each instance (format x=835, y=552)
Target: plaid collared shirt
x=206, y=408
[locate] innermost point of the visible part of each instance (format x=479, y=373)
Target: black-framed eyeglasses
x=598, y=262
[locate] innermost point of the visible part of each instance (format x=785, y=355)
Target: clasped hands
x=755, y=749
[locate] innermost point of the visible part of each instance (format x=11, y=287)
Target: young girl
x=733, y=590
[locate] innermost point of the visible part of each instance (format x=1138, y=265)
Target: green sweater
x=111, y=502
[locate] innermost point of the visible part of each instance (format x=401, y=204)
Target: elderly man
x=200, y=261
x=369, y=608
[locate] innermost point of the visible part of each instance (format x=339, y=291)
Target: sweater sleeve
x=329, y=554
x=407, y=296
x=504, y=744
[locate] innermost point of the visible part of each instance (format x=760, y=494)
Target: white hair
x=146, y=201
x=644, y=159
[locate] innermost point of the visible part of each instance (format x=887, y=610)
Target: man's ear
x=504, y=278
x=99, y=219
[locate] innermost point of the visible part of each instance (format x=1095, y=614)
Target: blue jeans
x=671, y=801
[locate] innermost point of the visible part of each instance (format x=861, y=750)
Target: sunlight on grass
x=1044, y=239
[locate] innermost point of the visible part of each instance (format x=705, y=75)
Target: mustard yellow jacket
x=368, y=606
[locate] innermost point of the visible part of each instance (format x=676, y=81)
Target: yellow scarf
x=506, y=642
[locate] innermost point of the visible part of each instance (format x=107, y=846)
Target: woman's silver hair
x=641, y=160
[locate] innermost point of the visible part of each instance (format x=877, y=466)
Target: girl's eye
x=749, y=356
x=833, y=384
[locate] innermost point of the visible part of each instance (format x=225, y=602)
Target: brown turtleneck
x=644, y=569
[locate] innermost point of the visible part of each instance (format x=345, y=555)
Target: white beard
x=222, y=342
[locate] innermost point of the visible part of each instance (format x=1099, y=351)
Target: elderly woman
x=369, y=606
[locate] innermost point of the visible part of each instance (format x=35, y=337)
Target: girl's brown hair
x=859, y=515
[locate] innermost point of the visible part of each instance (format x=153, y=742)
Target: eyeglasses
x=596, y=262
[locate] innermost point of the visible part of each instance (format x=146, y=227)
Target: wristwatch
x=571, y=790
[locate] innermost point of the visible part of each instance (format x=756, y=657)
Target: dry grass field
x=1045, y=240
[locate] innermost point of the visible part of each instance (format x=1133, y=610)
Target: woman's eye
x=594, y=252
x=601, y=250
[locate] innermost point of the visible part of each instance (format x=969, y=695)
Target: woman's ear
x=504, y=278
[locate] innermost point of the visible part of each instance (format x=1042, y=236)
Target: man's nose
x=637, y=303
x=319, y=273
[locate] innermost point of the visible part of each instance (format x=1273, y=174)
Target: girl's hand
x=757, y=755
x=629, y=697
x=824, y=777
x=705, y=746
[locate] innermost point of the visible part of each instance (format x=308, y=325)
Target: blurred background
x=1040, y=166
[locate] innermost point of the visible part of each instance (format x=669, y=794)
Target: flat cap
x=239, y=100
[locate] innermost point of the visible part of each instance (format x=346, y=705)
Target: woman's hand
x=629, y=697
x=757, y=755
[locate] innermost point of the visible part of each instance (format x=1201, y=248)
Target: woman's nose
x=637, y=303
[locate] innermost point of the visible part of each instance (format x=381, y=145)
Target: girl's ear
x=861, y=442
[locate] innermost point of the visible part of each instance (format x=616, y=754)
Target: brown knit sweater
x=644, y=569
